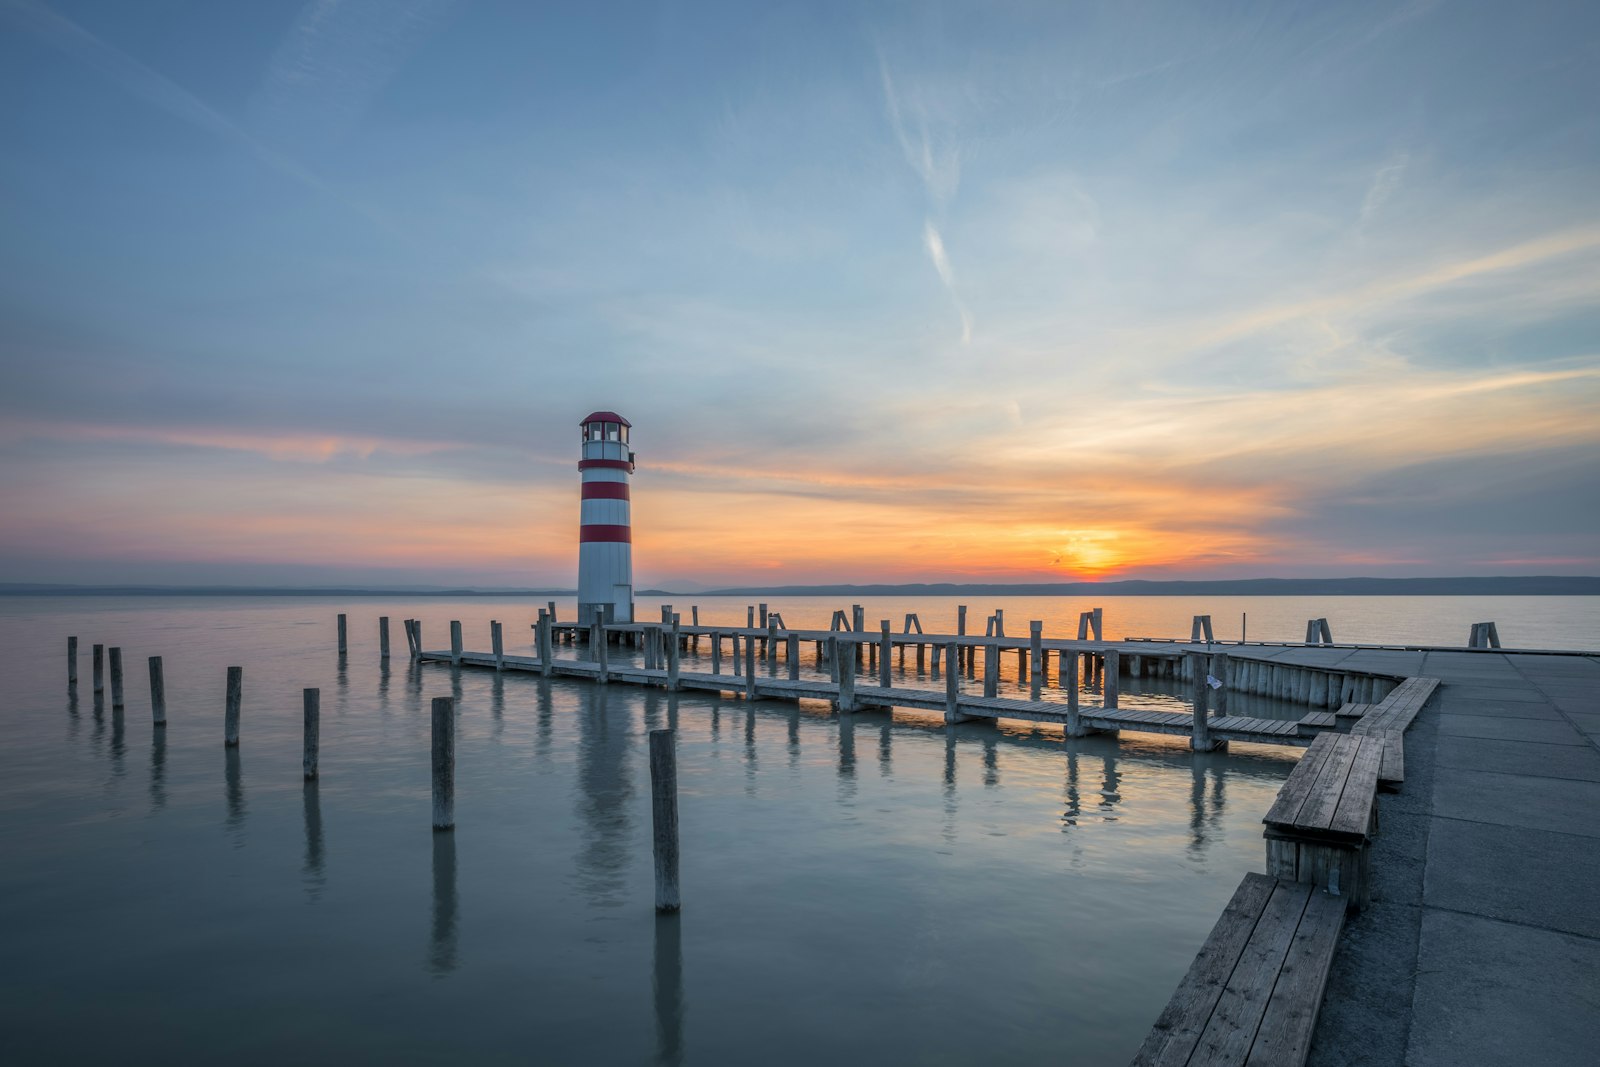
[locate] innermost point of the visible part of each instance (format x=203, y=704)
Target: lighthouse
x=605, y=536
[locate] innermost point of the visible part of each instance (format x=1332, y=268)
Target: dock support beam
x=1200, y=737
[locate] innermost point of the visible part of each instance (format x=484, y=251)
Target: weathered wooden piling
x=961, y=631
x=72, y=661
x=444, y=763
x=792, y=655
x=1222, y=670
x=1200, y=734
x=991, y=670
x=343, y=644
x=952, y=684
x=885, y=644
x=749, y=668
x=1111, y=671
x=158, y=693
x=383, y=637
x=716, y=652
x=455, y=642
x=116, y=677
x=847, y=676
x=673, y=652
x=1068, y=673
x=230, y=716
x=1035, y=659
x=497, y=641
x=599, y=645
x=664, y=818
x=311, y=702
x=99, y=668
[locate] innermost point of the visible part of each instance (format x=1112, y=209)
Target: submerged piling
x=99, y=668
x=383, y=637
x=444, y=763
x=230, y=716
x=343, y=646
x=455, y=642
x=311, y=700
x=498, y=641
x=72, y=661
x=664, y=818
x=158, y=693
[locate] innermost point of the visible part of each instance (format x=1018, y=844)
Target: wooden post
x=991, y=670
x=602, y=654
x=1083, y=626
x=343, y=646
x=1221, y=670
x=858, y=623
x=961, y=631
x=793, y=656
x=1035, y=659
x=999, y=622
x=716, y=652
x=99, y=668
x=444, y=763
x=312, y=700
x=116, y=677
x=550, y=606
x=1194, y=630
x=672, y=656
x=455, y=643
x=1311, y=631
x=1200, y=736
x=158, y=693
x=1324, y=632
x=383, y=637
x=1095, y=619
x=952, y=685
x=1112, y=672
x=1068, y=673
x=72, y=661
x=664, y=817
x=749, y=668
x=733, y=652
x=416, y=635
x=230, y=717
x=749, y=616
x=887, y=644
x=847, y=676
x=772, y=640
x=498, y=641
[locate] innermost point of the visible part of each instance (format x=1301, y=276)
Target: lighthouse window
x=612, y=431
x=624, y=434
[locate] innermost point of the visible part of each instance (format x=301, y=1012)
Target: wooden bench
x=1389, y=720
x=1253, y=993
x=1319, y=827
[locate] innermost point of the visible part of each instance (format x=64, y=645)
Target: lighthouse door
x=622, y=602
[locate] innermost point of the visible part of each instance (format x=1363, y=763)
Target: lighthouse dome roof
x=605, y=416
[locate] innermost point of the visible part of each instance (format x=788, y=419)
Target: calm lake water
x=885, y=890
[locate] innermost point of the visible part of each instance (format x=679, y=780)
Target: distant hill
x=1538, y=585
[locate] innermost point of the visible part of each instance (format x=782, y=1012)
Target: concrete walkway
x=1483, y=942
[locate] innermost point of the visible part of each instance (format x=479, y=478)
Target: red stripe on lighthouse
x=605, y=490
x=591, y=532
x=605, y=464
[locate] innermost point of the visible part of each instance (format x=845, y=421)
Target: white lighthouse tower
x=605, y=536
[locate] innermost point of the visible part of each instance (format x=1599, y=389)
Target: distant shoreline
x=1535, y=585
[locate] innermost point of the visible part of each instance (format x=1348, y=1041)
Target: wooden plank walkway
x=1099, y=719
x=1253, y=993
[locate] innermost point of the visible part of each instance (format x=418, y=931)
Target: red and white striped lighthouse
x=605, y=536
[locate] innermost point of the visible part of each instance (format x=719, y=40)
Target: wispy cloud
x=1385, y=181
x=941, y=264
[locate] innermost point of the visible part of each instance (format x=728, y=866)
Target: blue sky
x=903, y=291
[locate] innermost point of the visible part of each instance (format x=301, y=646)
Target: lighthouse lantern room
x=605, y=534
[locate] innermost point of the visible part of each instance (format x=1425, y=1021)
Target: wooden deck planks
x=1292, y=797
x=1234, y=1022
x=1323, y=800
x=1353, y=816
x=1291, y=1016
x=1177, y=1031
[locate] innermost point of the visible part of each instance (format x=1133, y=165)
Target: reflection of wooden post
x=116, y=677
x=158, y=693
x=230, y=716
x=444, y=763
x=312, y=737
x=664, y=818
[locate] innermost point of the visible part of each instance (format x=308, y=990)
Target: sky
x=319, y=292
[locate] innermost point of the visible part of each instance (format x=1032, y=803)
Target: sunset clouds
x=887, y=295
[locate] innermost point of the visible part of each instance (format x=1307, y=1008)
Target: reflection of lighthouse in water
x=605, y=534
